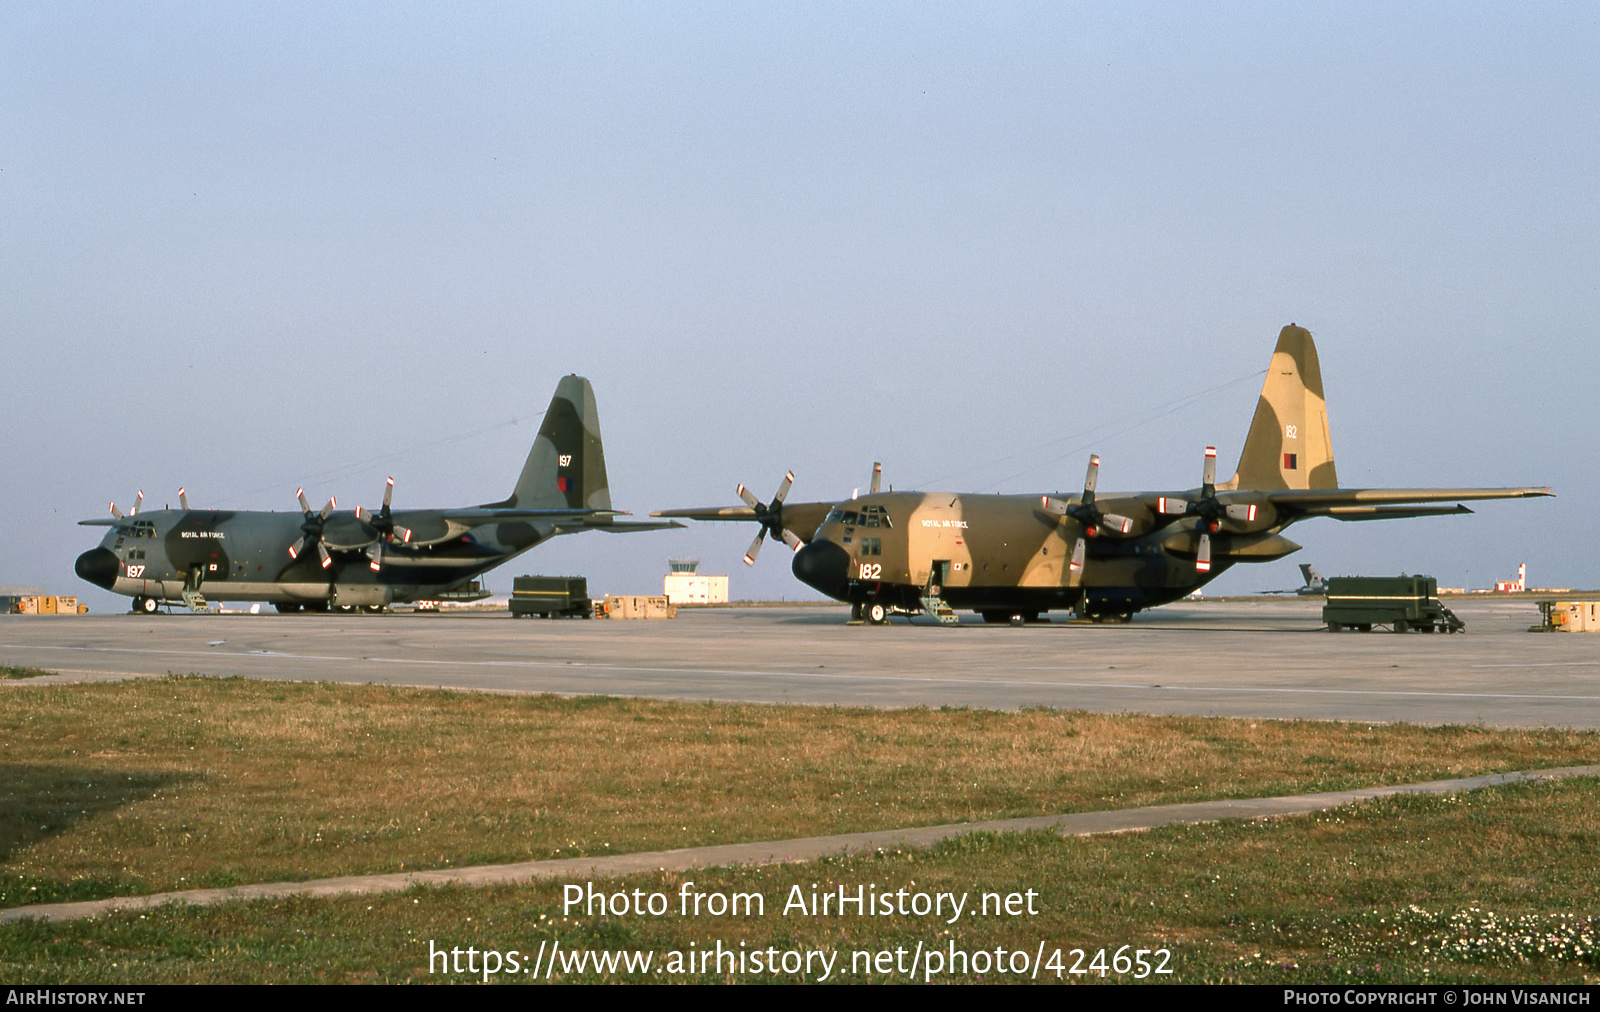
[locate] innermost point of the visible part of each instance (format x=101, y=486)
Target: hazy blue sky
x=246, y=247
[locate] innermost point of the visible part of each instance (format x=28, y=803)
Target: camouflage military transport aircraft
x=1013, y=557
x=321, y=559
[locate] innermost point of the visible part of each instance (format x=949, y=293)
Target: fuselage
x=999, y=553
x=243, y=556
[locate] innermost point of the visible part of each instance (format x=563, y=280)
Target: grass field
x=160, y=784
x=1495, y=886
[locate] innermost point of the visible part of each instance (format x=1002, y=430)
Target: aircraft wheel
x=146, y=605
x=287, y=608
x=1400, y=625
x=1334, y=627
x=1365, y=627
x=877, y=614
x=995, y=617
x=1019, y=620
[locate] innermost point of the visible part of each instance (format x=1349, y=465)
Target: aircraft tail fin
x=566, y=469
x=1288, y=446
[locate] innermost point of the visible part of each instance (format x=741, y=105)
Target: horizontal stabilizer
x=492, y=514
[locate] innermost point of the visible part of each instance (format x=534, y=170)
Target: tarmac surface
x=1255, y=659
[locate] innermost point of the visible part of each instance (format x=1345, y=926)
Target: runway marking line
x=787, y=851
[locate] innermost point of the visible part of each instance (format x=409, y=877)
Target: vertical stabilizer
x=1288, y=445
x=567, y=466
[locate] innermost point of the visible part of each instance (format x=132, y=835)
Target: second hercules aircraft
x=1014, y=557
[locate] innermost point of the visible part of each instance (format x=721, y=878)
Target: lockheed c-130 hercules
x=320, y=559
x=1013, y=557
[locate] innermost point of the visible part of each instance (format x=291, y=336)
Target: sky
x=249, y=247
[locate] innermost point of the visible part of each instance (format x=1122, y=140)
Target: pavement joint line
x=722, y=672
x=1124, y=820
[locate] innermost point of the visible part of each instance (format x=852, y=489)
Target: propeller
x=383, y=523
x=1210, y=511
x=770, y=517
x=1090, y=518
x=183, y=500
x=877, y=477
x=131, y=513
x=314, y=523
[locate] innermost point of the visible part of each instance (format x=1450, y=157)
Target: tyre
x=877, y=614
x=147, y=605
x=1400, y=625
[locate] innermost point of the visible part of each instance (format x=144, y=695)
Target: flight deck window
x=849, y=517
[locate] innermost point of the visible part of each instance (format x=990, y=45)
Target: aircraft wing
x=1388, y=503
x=709, y=513
x=799, y=518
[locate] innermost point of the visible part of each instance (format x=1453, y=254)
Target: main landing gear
x=146, y=605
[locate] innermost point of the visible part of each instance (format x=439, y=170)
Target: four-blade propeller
x=770, y=517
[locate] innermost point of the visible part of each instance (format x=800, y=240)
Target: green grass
x=1496, y=886
x=8, y=671
x=160, y=784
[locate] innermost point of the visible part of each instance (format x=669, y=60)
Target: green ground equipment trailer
x=1403, y=603
x=551, y=597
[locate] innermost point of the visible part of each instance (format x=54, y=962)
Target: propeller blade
x=1242, y=511
x=139, y=499
x=375, y=553
x=1092, y=478
x=1210, y=472
x=877, y=476
x=294, y=550
x=1078, y=553
x=305, y=507
x=114, y=511
x=327, y=560
x=755, y=549
x=748, y=497
x=327, y=511
x=361, y=514
x=1202, y=560
x=783, y=489
x=1120, y=524
x=1169, y=505
x=183, y=500
x=792, y=540
x=1053, y=506
x=403, y=534
x=388, y=493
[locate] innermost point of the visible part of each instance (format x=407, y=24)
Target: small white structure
x=1516, y=586
x=683, y=585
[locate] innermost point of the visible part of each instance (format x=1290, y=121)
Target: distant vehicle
x=1315, y=585
x=1014, y=557
x=315, y=560
x=551, y=597
x=1403, y=603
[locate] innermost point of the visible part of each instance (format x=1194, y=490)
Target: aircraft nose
x=825, y=566
x=98, y=566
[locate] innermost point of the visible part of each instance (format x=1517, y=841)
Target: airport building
x=685, y=585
